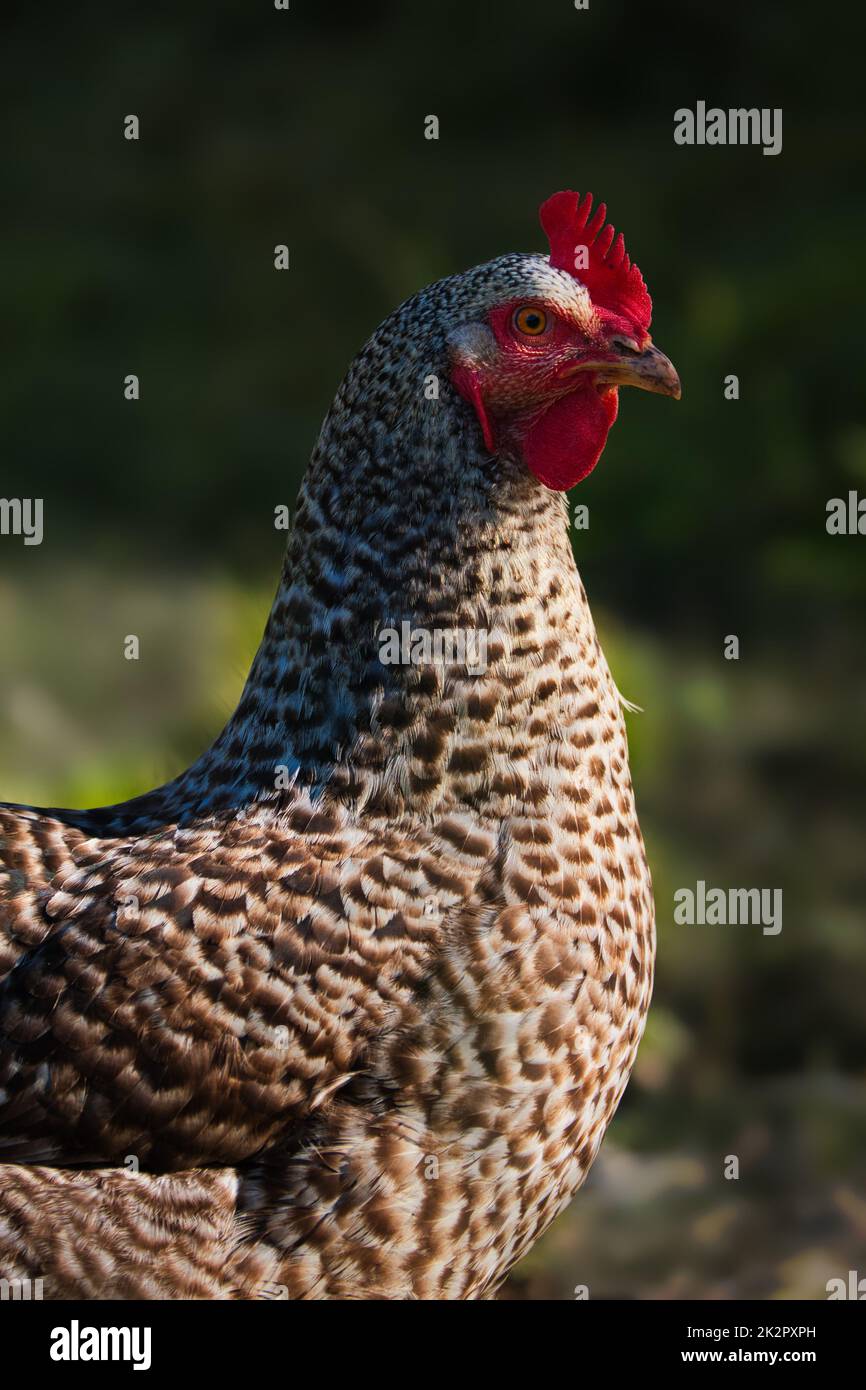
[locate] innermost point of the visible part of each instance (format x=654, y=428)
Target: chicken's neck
x=430, y=636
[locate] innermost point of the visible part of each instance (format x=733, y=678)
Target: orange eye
x=531, y=320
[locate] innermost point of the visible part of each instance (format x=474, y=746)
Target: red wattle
x=565, y=443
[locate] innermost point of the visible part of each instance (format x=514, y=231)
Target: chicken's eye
x=531, y=320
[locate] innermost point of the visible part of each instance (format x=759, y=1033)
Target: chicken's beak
x=649, y=370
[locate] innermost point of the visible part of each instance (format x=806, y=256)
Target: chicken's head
x=542, y=360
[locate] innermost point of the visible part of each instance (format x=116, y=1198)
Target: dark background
x=707, y=518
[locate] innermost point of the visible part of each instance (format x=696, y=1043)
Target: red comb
x=612, y=280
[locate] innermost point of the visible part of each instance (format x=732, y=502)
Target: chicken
x=344, y=1010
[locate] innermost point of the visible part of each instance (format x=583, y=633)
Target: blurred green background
x=261, y=127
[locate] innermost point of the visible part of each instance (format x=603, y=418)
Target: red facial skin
x=532, y=398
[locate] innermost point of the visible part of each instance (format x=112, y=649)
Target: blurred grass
x=82, y=725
